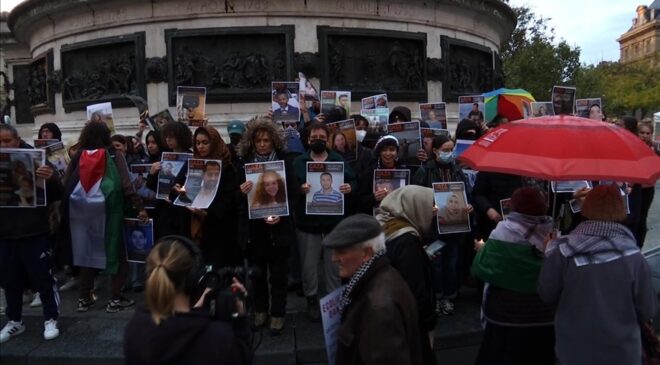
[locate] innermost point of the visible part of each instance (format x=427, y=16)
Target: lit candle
x=270, y=218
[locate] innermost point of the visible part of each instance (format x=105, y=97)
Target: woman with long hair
x=270, y=190
x=171, y=330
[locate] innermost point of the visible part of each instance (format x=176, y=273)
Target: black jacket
x=366, y=199
x=186, y=338
x=489, y=189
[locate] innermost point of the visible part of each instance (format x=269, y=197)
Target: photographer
x=170, y=330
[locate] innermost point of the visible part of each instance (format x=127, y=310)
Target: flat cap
x=353, y=230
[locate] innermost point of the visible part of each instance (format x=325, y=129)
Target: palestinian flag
x=96, y=212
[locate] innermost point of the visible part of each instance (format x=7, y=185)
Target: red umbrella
x=564, y=148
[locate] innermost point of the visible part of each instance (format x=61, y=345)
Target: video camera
x=221, y=300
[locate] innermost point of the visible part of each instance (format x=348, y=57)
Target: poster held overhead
x=589, y=108
x=285, y=101
x=563, y=100
x=191, y=105
x=101, y=112
x=435, y=114
x=542, y=108
x=343, y=139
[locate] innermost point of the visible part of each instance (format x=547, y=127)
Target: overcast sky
x=593, y=25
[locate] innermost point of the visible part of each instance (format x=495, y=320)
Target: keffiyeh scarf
x=355, y=279
x=265, y=158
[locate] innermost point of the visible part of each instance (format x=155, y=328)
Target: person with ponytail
x=170, y=329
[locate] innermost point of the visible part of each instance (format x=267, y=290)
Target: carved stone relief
x=40, y=94
x=468, y=68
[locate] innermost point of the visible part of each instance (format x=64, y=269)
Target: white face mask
x=360, y=135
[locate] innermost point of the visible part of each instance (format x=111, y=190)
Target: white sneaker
x=11, y=329
x=36, y=301
x=50, y=329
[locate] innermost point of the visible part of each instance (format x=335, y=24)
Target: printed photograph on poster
x=569, y=186
x=657, y=132
x=589, y=108
x=576, y=205
x=101, y=112
x=306, y=86
x=462, y=145
x=332, y=99
x=343, y=139
x=56, y=155
x=17, y=179
x=38, y=159
x=390, y=180
x=324, y=197
x=191, y=105
x=410, y=141
x=378, y=119
x=285, y=103
x=471, y=107
x=527, y=109
x=156, y=122
x=542, y=108
x=201, y=184
x=170, y=166
x=138, y=175
x=505, y=207
x=43, y=143
x=427, y=137
x=375, y=102
x=435, y=114
x=452, y=203
x=138, y=239
x=268, y=196
x=563, y=100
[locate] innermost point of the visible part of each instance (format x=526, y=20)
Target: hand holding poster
x=435, y=114
x=191, y=105
x=452, y=205
x=201, y=184
x=589, y=108
x=138, y=175
x=343, y=139
x=17, y=179
x=331, y=318
x=563, y=100
x=285, y=101
x=101, y=113
x=410, y=141
x=138, y=239
x=170, y=165
x=268, y=196
x=324, y=197
x=332, y=99
x=542, y=108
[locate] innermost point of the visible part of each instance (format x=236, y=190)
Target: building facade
x=642, y=41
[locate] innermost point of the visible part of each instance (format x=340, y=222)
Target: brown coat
x=380, y=325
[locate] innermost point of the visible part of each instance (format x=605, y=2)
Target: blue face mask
x=445, y=157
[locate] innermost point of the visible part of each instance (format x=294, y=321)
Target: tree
x=532, y=61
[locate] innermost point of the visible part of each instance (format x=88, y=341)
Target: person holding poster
x=270, y=236
x=220, y=219
x=377, y=308
x=311, y=228
x=24, y=246
x=385, y=157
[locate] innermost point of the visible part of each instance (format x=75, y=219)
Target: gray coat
x=599, y=307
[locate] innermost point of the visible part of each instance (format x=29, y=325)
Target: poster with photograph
x=471, y=107
x=378, y=119
x=138, y=175
x=569, y=186
x=410, y=141
x=375, y=102
x=505, y=207
x=138, y=239
x=307, y=88
x=527, y=109
x=38, y=159
x=156, y=122
x=171, y=164
x=563, y=100
x=332, y=99
x=462, y=145
x=285, y=103
x=324, y=197
x=268, y=196
x=435, y=114
x=56, y=155
x=101, y=112
x=452, y=204
x=191, y=105
x=589, y=108
x=17, y=179
x=201, y=184
x=43, y=143
x=427, y=137
x=542, y=108
x=390, y=180
x=343, y=139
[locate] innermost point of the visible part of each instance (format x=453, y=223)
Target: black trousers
x=274, y=272
x=505, y=345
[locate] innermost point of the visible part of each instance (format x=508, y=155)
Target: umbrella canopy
x=564, y=148
x=506, y=102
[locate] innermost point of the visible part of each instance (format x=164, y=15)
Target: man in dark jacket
x=25, y=250
x=379, y=321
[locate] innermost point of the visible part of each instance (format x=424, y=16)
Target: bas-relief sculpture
x=468, y=68
x=39, y=88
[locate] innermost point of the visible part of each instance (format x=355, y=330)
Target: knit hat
x=385, y=141
x=529, y=201
x=353, y=230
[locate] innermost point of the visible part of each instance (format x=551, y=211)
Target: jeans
x=311, y=252
x=445, y=270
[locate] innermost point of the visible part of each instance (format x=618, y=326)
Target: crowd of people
x=543, y=294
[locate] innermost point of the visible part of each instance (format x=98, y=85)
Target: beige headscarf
x=407, y=209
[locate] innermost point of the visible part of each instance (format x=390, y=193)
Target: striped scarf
x=355, y=279
x=264, y=158
x=595, y=242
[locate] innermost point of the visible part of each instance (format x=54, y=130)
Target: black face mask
x=234, y=138
x=317, y=146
